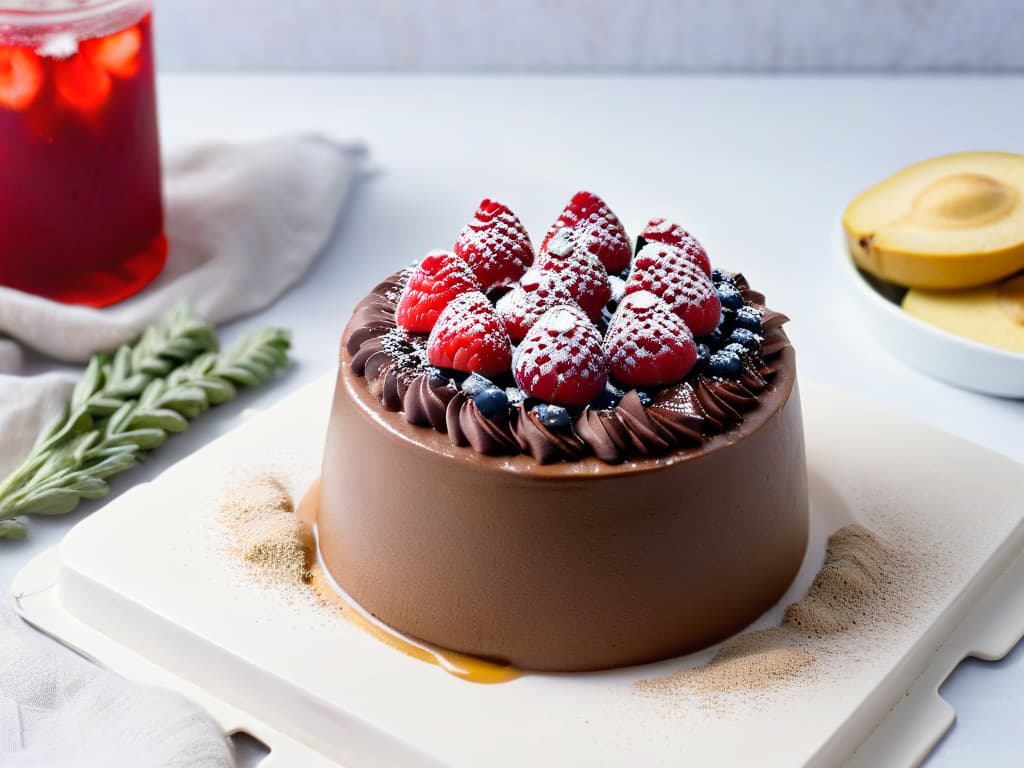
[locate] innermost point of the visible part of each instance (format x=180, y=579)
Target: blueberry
x=745, y=337
x=552, y=416
x=735, y=348
x=726, y=320
x=492, y=402
x=719, y=277
x=725, y=364
x=715, y=338
x=729, y=296
x=475, y=384
x=645, y=399
x=749, y=318
x=703, y=353
x=608, y=398
x=515, y=395
x=438, y=378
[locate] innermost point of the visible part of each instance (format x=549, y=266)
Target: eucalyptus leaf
x=129, y=404
x=50, y=501
x=103, y=405
x=89, y=383
x=12, y=529
x=159, y=418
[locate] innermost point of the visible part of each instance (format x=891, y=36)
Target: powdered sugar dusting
x=524, y=305
x=618, y=286
x=595, y=229
x=436, y=280
x=393, y=293
x=646, y=344
x=659, y=226
x=643, y=300
x=661, y=230
x=495, y=245
x=665, y=271
x=407, y=351
x=470, y=337
x=561, y=245
x=604, y=237
x=676, y=280
x=582, y=274
x=561, y=360
x=561, y=320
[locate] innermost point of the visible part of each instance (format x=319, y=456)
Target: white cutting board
x=140, y=587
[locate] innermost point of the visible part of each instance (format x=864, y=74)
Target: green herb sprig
x=129, y=404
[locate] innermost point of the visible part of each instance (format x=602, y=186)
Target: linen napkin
x=243, y=224
x=57, y=709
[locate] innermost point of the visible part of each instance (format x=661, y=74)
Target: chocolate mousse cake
x=583, y=457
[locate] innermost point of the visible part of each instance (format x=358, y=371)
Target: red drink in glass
x=81, y=214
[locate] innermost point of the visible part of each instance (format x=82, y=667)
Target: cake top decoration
x=584, y=348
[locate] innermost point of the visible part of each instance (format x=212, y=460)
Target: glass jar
x=81, y=210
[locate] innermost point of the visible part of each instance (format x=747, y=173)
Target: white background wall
x=569, y=35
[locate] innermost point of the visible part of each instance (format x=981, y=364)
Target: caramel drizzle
x=460, y=665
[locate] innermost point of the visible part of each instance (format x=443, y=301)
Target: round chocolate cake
x=570, y=460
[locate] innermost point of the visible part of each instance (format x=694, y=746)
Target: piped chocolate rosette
x=585, y=349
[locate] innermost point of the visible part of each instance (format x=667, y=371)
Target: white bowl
x=956, y=360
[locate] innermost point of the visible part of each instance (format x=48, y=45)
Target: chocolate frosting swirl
x=678, y=410
x=467, y=426
x=394, y=364
x=544, y=444
x=426, y=402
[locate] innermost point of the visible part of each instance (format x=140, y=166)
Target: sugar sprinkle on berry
x=647, y=344
x=560, y=360
x=469, y=337
x=433, y=283
x=495, y=245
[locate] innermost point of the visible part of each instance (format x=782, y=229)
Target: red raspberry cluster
x=550, y=304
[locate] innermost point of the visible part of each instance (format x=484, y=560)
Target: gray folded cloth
x=57, y=709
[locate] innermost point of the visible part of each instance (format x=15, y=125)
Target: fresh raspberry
x=438, y=278
x=495, y=245
x=596, y=229
x=21, y=77
x=581, y=273
x=560, y=361
x=535, y=294
x=647, y=345
x=469, y=337
x=669, y=233
x=669, y=274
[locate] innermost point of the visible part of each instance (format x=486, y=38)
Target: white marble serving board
x=143, y=587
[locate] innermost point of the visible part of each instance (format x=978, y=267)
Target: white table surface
x=759, y=169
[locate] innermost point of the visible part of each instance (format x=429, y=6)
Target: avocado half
x=955, y=221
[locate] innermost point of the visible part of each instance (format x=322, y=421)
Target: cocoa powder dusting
x=263, y=532
x=860, y=590
x=853, y=586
